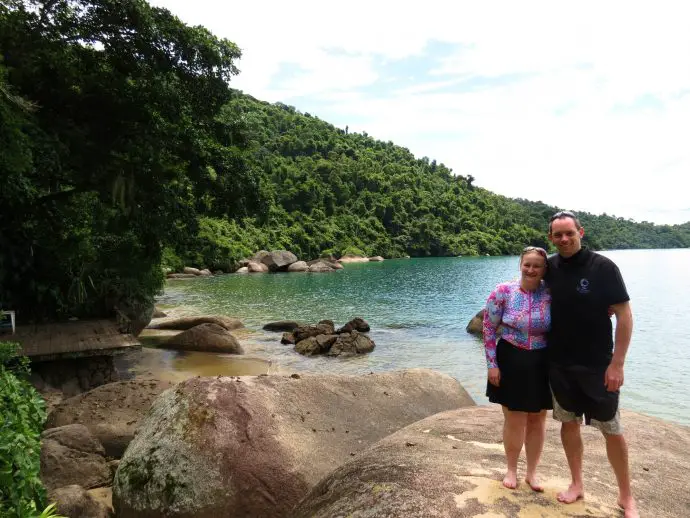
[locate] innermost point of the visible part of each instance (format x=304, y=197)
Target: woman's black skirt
x=524, y=385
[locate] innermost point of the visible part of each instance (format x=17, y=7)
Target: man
x=586, y=369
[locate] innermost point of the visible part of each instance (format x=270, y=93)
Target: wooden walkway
x=71, y=339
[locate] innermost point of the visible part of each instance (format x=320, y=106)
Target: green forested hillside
x=122, y=149
x=325, y=190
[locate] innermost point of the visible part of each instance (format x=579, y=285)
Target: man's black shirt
x=582, y=289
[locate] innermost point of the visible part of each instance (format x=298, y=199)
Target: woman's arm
x=493, y=315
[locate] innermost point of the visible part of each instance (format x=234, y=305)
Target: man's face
x=566, y=236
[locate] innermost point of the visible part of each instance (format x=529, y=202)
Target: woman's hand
x=495, y=376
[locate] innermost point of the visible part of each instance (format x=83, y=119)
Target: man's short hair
x=564, y=214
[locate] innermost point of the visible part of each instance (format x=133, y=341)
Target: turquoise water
x=418, y=310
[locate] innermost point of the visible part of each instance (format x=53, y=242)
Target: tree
x=116, y=159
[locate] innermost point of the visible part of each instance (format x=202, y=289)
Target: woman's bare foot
x=572, y=494
x=629, y=506
x=534, y=483
x=510, y=480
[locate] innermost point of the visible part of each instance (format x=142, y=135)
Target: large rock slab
x=253, y=446
x=210, y=338
x=74, y=501
x=71, y=455
x=111, y=412
x=451, y=465
x=279, y=260
x=184, y=323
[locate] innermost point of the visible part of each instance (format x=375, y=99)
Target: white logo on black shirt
x=583, y=288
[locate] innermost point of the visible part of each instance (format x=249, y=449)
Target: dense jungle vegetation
x=124, y=149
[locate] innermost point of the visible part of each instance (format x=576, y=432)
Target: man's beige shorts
x=612, y=427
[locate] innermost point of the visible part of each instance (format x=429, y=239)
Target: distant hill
x=325, y=190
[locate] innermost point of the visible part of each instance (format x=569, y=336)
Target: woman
x=518, y=315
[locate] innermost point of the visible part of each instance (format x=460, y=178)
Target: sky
x=582, y=105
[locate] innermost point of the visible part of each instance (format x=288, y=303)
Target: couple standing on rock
x=549, y=345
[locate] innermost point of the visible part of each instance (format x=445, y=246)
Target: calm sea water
x=418, y=310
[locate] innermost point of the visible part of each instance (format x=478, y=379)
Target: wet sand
x=153, y=360
x=178, y=366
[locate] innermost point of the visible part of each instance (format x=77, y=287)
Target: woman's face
x=533, y=266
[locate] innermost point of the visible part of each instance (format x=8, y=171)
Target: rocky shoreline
x=275, y=261
x=276, y=443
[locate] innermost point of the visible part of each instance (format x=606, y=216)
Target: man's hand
x=613, y=379
x=495, y=376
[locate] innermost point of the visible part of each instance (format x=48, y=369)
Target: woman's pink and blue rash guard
x=520, y=317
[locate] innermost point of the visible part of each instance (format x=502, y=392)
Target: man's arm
x=624, y=325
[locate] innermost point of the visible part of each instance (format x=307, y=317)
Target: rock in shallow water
x=210, y=338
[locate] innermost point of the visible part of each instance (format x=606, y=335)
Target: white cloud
x=564, y=120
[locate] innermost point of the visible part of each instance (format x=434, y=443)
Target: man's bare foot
x=510, y=480
x=629, y=506
x=534, y=483
x=572, y=494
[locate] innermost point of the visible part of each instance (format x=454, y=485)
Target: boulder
x=376, y=259
x=205, y=272
x=71, y=455
x=475, y=326
x=279, y=260
x=328, y=262
x=282, y=325
x=349, y=344
x=210, y=338
x=184, y=323
x=111, y=412
x=325, y=327
x=299, y=266
x=353, y=259
x=255, y=267
x=243, y=262
x=287, y=338
x=259, y=256
x=133, y=317
x=189, y=270
x=242, y=269
x=319, y=344
x=320, y=267
x=254, y=446
x=309, y=346
x=451, y=465
x=356, y=324
x=74, y=501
